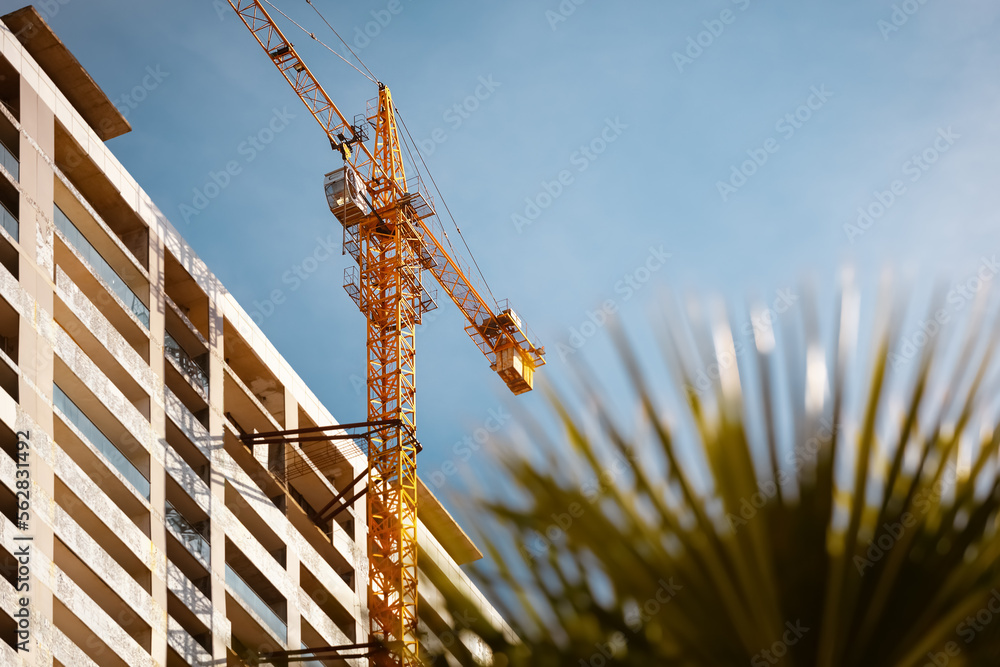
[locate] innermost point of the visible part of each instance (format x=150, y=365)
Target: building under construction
x=172, y=492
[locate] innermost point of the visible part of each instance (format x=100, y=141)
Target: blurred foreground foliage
x=793, y=508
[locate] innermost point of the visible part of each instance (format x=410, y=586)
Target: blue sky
x=648, y=112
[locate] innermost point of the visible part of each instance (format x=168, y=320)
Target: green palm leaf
x=824, y=518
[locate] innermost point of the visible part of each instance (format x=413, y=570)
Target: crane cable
x=348, y=46
x=406, y=145
x=371, y=76
x=450, y=215
x=368, y=76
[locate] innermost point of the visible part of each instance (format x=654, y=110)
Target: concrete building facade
x=137, y=527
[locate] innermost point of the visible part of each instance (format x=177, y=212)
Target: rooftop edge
x=66, y=72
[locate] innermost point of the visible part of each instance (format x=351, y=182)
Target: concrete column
x=216, y=376
x=158, y=421
x=291, y=555
x=35, y=355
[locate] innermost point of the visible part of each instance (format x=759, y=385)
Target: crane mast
x=389, y=298
x=390, y=231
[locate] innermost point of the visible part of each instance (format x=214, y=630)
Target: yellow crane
x=391, y=231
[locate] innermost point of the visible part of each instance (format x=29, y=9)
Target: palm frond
x=831, y=518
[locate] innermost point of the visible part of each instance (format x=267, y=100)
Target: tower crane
x=391, y=231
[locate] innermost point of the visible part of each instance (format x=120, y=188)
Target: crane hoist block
x=345, y=194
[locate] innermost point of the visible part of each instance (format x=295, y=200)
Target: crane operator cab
x=346, y=195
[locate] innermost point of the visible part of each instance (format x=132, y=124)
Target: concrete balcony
x=100, y=266
x=10, y=162
x=89, y=433
x=94, y=334
x=191, y=535
x=189, y=649
x=9, y=223
x=255, y=611
x=188, y=604
x=9, y=389
x=186, y=378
